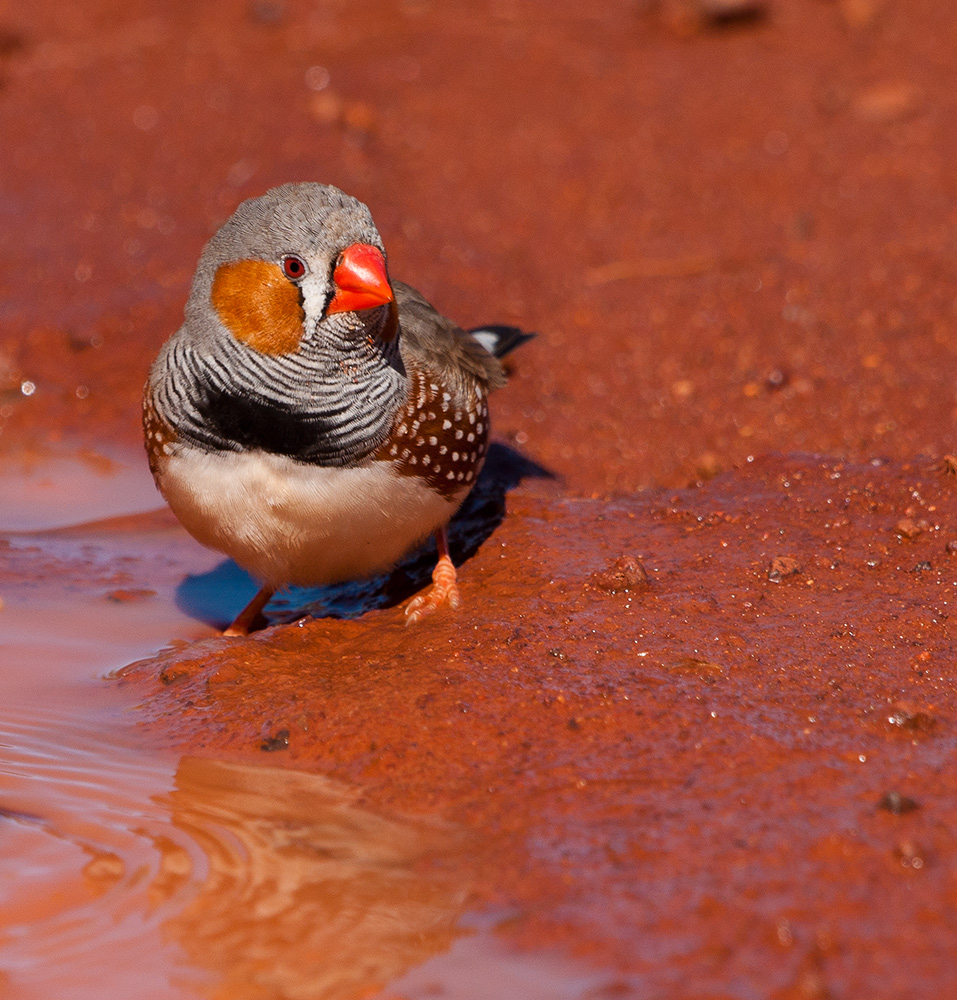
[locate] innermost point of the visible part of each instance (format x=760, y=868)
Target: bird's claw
x=444, y=590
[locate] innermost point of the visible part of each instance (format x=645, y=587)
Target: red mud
x=682, y=779
x=735, y=240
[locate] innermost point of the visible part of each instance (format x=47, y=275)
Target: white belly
x=288, y=523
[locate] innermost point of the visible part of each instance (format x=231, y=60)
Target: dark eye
x=293, y=267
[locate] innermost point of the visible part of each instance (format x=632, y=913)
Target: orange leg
x=443, y=589
x=246, y=618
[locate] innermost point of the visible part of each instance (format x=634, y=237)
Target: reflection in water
x=130, y=874
x=76, y=860
x=306, y=894
x=239, y=882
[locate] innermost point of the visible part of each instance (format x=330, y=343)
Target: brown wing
x=432, y=342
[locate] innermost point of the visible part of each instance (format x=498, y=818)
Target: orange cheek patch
x=258, y=305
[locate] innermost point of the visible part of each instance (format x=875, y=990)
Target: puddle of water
x=123, y=874
x=72, y=486
x=480, y=966
x=128, y=872
x=76, y=861
x=78, y=810
x=308, y=895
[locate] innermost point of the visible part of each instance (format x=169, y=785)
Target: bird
x=312, y=418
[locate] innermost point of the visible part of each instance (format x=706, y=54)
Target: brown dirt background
x=736, y=239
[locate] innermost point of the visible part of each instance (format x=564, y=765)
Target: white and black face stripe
x=330, y=404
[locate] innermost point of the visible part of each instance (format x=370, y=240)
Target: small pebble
x=688, y=17
x=781, y=567
x=622, y=575
x=907, y=528
x=278, y=741
x=912, y=722
x=897, y=804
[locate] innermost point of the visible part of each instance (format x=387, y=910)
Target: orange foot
x=251, y=614
x=443, y=590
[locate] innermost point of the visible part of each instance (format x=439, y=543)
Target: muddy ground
x=696, y=717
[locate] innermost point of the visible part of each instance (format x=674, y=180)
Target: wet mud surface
x=691, y=733
x=716, y=775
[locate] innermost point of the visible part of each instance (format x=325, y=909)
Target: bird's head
x=302, y=261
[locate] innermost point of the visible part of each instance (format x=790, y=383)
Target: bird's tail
x=500, y=340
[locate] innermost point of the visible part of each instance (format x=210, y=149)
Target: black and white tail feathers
x=500, y=340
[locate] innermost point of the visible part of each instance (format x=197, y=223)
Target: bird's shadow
x=217, y=596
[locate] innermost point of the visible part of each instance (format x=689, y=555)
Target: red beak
x=360, y=279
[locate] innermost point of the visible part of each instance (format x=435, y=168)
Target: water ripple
x=125, y=875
